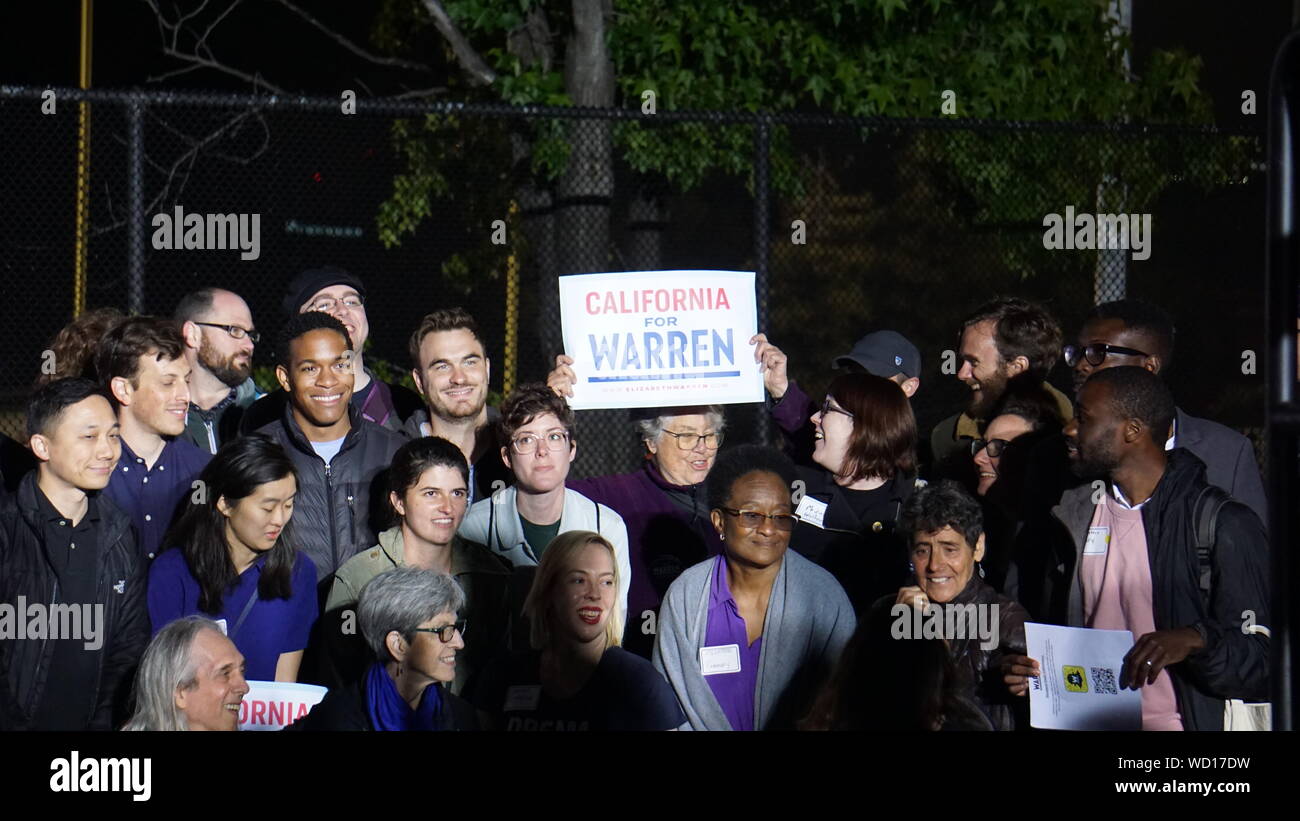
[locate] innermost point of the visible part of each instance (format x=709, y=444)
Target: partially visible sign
x=661, y=338
x=274, y=705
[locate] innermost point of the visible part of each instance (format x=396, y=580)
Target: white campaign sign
x=648, y=339
x=273, y=705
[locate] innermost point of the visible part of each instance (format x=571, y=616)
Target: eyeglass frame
x=250, y=333
x=717, y=436
x=458, y=626
x=316, y=305
x=777, y=519
x=1107, y=350
x=826, y=408
x=514, y=443
x=977, y=445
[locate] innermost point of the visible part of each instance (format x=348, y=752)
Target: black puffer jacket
x=865, y=553
x=1232, y=664
x=342, y=506
x=25, y=571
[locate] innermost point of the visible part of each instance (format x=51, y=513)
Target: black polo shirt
x=67, y=702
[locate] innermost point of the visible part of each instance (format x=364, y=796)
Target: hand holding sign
x=773, y=362
x=657, y=339
x=562, y=378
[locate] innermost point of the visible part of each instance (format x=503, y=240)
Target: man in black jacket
x=340, y=457
x=1125, y=557
x=70, y=576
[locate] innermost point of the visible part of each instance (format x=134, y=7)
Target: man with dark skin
x=1118, y=432
x=1131, y=332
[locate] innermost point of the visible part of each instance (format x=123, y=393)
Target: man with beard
x=1123, y=553
x=1002, y=340
x=451, y=369
x=142, y=365
x=219, y=339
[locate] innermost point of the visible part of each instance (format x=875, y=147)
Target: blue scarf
x=389, y=711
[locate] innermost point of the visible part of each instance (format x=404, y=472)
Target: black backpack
x=1205, y=517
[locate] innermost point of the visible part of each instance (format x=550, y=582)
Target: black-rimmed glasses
x=828, y=408
x=1096, y=353
x=447, y=632
x=751, y=520
x=995, y=446
x=235, y=331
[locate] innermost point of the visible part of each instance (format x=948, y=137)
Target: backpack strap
x=1205, y=516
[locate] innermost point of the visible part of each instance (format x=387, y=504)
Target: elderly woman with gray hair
x=408, y=618
x=190, y=678
x=663, y=503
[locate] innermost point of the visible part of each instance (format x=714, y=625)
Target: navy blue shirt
x=150, y=496
x=272, y=627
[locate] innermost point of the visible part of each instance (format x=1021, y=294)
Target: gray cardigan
x=809, y=621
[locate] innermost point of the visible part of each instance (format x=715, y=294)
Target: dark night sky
x=1236, y=41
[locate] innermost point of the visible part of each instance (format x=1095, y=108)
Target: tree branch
x=480, y=73
x=396, y=62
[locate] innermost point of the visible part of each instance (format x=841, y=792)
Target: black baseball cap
x=308, y=283
x=883, y=353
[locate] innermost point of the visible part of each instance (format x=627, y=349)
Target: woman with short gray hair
x=408, y=618
x=190, y=678
x=662, y=503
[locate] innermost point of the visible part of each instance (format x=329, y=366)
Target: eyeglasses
x=995, y=446
x=447, y=632
x=827, y=409
x=1096, y=353
x=234, y=330
x=689, y=441
x=326, y=303
x=526, y=444
x=751, y=520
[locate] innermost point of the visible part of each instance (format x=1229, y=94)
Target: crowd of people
x=431, y=561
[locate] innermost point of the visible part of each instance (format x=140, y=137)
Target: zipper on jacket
x=352, y=519
x=212, y=437
x=329, y=496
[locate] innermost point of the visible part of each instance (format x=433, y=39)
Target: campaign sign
x=274, y=705
x=648, y=339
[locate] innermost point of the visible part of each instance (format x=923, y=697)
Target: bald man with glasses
x=219, y=341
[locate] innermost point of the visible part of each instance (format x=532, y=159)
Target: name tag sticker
x=722, y=659
x=222, y=624
x=523, y=698
x=812, y=511
x=1098, y=541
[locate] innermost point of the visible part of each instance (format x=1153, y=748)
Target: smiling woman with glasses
x=744, y=638
x=408, y=618
x=863, y=471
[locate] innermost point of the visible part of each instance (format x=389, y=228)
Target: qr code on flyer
x=1103, y=680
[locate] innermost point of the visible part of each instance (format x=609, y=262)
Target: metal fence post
x=762, y=239
x=1283, y=416
x=136, y=222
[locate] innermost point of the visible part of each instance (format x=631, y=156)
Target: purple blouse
x=734, y=691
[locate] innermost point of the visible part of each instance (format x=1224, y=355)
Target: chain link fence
x=851, y=226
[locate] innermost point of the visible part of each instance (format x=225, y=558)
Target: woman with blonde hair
x=576, y=676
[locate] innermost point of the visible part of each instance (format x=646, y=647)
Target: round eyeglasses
x=1096, y=353
x=528, y=443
